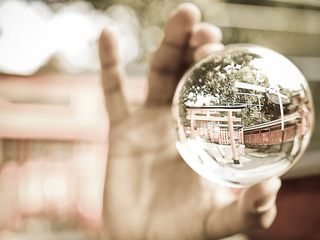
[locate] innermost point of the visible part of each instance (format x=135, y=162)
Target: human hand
x=150, y=192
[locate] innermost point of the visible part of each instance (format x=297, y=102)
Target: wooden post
x=191, y=124
x=242, y=137
x=232, y=139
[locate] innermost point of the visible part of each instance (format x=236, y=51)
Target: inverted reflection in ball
x=243, y=115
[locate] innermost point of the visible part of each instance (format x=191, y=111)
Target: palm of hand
x=157, y=194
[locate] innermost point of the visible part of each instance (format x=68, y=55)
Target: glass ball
x=243, y=115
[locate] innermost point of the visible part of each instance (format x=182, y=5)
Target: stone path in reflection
x=249, y=158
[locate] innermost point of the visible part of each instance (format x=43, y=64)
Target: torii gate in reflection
x=193, y=115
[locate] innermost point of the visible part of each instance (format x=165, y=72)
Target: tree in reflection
x=214, y=82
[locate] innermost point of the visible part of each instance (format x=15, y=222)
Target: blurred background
x=53, y=126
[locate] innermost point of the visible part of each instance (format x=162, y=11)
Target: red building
x=271, y=133
x=209, y=123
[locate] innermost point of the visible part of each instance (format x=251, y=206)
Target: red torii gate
x=196, y=113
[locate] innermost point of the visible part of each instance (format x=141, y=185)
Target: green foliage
x=215, y=79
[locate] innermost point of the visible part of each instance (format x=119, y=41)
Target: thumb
x=257, y=204
x=254, y=209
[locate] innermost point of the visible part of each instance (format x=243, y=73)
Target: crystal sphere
x=243, y=115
